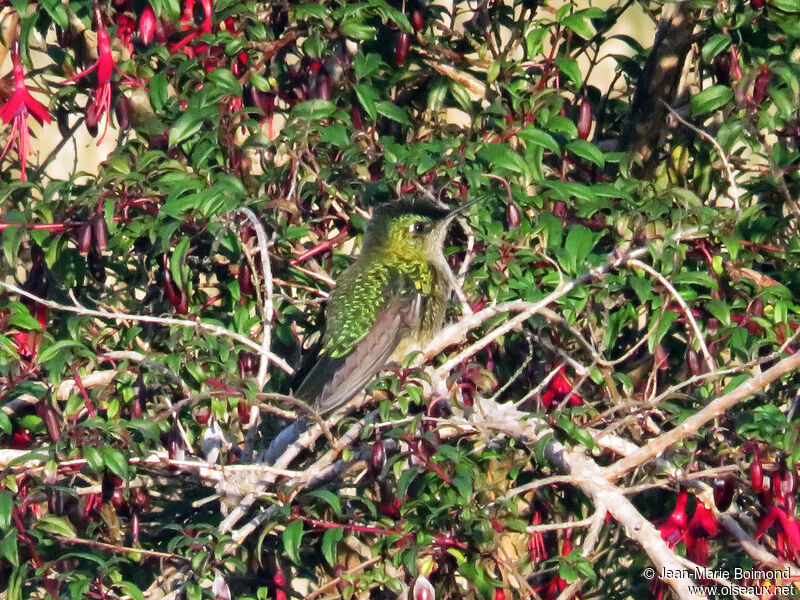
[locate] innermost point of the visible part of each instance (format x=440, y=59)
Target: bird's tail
x=288, y=436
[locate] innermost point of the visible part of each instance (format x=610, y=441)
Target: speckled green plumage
x=363, y=290
x=389, y=302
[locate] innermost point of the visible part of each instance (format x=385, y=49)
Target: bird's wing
x=338, y=376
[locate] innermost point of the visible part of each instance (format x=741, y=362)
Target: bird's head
x=413, y=229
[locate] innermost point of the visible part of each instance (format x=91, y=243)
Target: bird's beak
x=453, y=213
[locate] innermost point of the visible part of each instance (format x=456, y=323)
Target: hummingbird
x=389, y=302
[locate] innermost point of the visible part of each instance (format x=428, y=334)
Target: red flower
x=702, y=526
x=674, y=526
x=560, y=386
x=105, y=67
x=16, y=110
x=788, y=532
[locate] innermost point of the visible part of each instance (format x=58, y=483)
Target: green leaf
x=314, y=110
x=358, y=30
x=367, y=96
x=720, y=310
x=393, y=112
x=571, y=69
x=588, y=151
x=176, y=262
x=93, y=458
x=330, y=498
x=540, y=138
x=710, y=99
x=6, y=505
x=186, y=126
x=131, y=590
x=579, y=243
x=715, y=44
x=54, y=349
x=8, y=548
x=292, y=536
x=330, y=541
x=21, y=317
x=5, y=423
x=56, y=525
x=115, y=461
x=158, y=91
x=335, y=134
x=580, y=24
x=226, y=81
x=57, y=11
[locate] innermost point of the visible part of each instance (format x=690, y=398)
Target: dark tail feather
x=288, y=436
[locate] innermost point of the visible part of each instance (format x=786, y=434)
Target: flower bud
x=723, y=492
x=757, y=475
x=423, y=590
x=100, y=234
x=417, y=20
x=761, y=84
x=401, y=49
x=147, y=25
x=123, y=112
x=85, y=238
x=377, y=459
x=585, y=119
x=245, y=279
x=512, y=215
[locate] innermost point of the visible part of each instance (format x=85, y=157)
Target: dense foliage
x=662, y=243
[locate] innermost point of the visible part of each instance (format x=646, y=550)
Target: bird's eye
x=416, y=227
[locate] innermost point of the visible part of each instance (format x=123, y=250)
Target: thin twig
x=118, y=316
x=685, y=307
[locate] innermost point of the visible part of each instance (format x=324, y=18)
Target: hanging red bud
x=723, y=492
x=757, y=475
x=173, y=294
x=585, y=119
x=147, y=25
x=100, y=234
x=423, y=590
x=401, y=49
x=279, y=579
x=417, y=20
x=85, y=238
x=377, y=459
x=512, y=215
x=761, y=84
x=123, y=112
x=245, y=279
x=694, y=363
x=758, y=4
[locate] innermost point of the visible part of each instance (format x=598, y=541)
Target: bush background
x=629, y=269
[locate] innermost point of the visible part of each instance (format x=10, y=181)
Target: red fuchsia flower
x=15, y=112
x=105, y=67
x=674, y=526
x=558, y=389
x=536, y=545
x=788, y=532
x=702, y=526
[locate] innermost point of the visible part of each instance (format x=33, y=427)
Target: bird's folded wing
x=335, y=380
